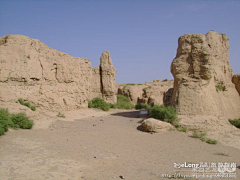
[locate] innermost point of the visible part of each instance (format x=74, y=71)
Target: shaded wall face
x=96, y=85
x=103, y=84
x=236, y=82
x=201, y=65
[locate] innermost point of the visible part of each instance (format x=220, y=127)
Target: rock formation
x=236, y=81
x=149, y=93
x=49, y=78
x=203, y=77
x=155, y=125
x=108, y=73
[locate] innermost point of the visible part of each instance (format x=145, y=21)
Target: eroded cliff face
x=44, y=76
x=108, y=74
x=236, y=81
x=157, y=92
x=203, y=77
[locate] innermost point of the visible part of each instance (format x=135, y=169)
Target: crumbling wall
x=48, y=78
x=203, y=77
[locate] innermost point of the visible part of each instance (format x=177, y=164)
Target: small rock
x=122, y=177
x=155, y=126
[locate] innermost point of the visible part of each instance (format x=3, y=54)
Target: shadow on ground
x=130, y=114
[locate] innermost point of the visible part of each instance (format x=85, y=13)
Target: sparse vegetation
x=235, y=122
x=142, y=106
x=130, y=84
x=164, y=113
x=221, y=154
x=123, y=103
x=27, y=104
x=5, y=121
x=182, y=129
x=200, y=135
x=149, y=87
x=33, y=108
x=99, y=103
x=61, y=115
x=211, y=141
x=19, y=120
x=220, y=87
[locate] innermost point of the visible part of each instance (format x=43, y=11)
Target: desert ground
x=91, y=144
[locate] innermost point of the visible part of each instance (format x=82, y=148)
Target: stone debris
x=156, y=126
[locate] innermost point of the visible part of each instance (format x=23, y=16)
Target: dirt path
x=103, y=148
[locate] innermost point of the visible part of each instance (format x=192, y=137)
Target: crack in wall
x=101, y=80
x=41, y=67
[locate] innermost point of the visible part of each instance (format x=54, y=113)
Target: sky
x=141, y=35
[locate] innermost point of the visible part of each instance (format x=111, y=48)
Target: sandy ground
x=97, y=145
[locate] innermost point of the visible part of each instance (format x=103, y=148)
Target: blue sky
x=141, y=35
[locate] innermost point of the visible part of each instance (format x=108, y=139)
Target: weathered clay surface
x=148, y=93
x=236, y=81
x=154, y=125
x=201, y=65
x=46, y=77
x=108, y=74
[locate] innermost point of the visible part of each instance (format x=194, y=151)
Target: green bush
x=114, y=106
x=142, y=106
x=61, y=115
x=235, y=122
x=200, y=135
x=164, y=113
x=5, y=121
x=182, y=129
x=149, y=87
x=33, y=108
x=210, y=141
x=20, y=120
x=27, y=104
x=21, y=101
x=123, y=102
x=16, y=121
x=99, y=103
x=2, y=131
x=220, y=87
x=130, y=84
